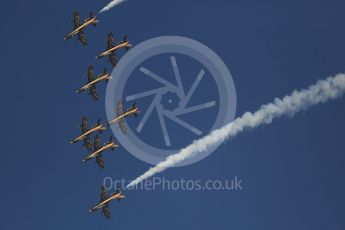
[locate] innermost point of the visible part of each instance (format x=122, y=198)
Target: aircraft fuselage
x=84, y=135
x=126, y=114
x=104, y=77
x=118, y=46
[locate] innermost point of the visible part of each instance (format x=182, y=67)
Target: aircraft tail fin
x=91, y=17
x=99, y=122
x=134, y=107
x=120, y=198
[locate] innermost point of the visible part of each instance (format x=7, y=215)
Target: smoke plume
x=322, y=91
x=111, y=5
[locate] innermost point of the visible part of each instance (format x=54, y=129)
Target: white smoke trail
x=321, y=92
x=111, y=5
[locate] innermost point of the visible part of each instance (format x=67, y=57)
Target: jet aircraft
x=86, y=132
x=105, y=201
x=120, y=115
x=98, y=150
x=92, y=81
x=78, y=28
x=111, y=48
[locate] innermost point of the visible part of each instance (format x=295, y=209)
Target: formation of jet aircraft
x=96, y=149
x=105, y=201
x=100, y=127
x=79, y=27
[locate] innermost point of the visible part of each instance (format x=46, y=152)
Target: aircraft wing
x=110, y=41
x=82, y=38
x=96, y=143
x=119, y=109
x=100, y=162
x=103, y=193
x=90, y=74
x=83, y=127
x=87, y=143
x=93, y=93
x=119, y=112
x=76, y=19
x=112, y=59
x=106, y=212
x=122, y=125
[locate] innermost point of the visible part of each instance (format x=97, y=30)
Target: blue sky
x=292, y=170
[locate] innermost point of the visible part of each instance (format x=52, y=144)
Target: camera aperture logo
x=183, y=91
